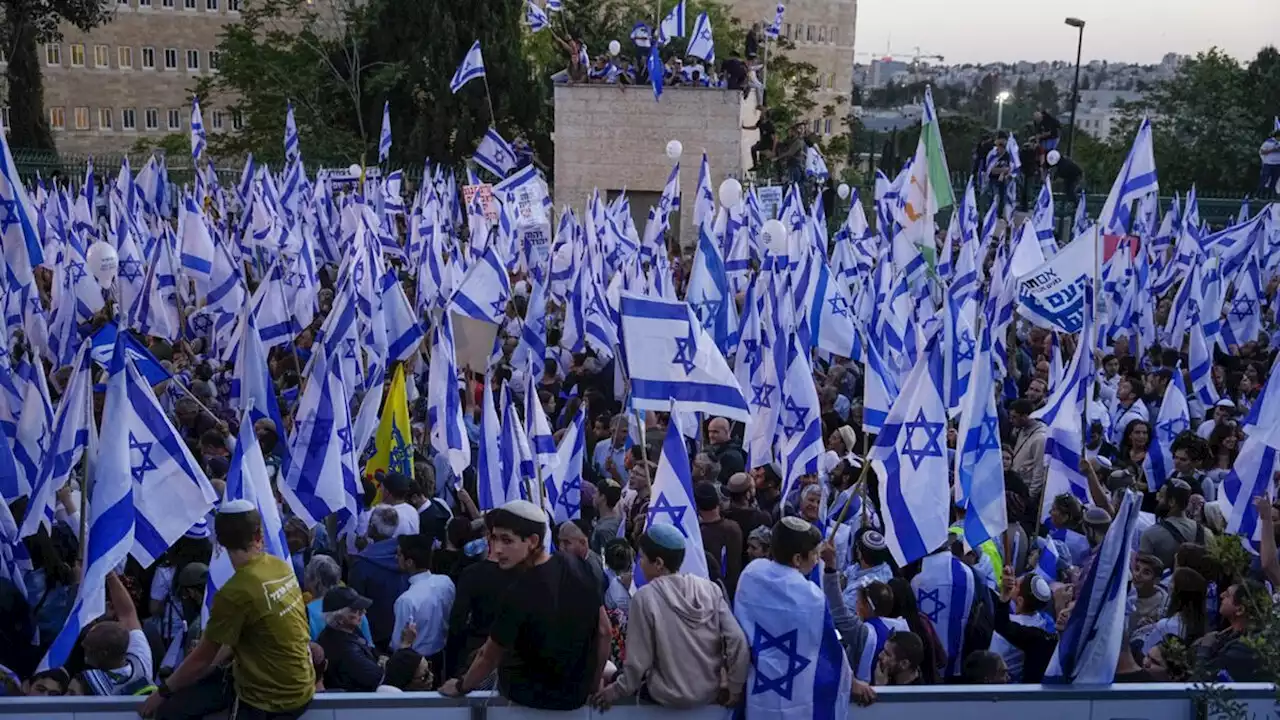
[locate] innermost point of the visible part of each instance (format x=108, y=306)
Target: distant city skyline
x=1135, y=31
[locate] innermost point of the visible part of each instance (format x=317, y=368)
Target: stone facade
x=823, y=33
x=105, y=87
x=612, y=139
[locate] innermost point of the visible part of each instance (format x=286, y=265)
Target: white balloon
x=614, y=48
x=354, y=170
x=775, y=237
x=843, y=191
x=104, y=263
x=730, y=192
x=675, y=149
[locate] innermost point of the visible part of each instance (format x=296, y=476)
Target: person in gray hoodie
x=684, y=647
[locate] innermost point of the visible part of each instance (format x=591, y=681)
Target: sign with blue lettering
x=1052, y=295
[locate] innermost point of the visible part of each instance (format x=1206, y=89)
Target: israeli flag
x=531, y=351
x=1174, y=419
x=112, y=515
x=18, y=237
x=384, y=137
x=444, y=408
x=472, y=67
x=701, y=45
x=247, y=479
x=911, y=461
x=1090, y=644
x=1052, y=294
x=1136, y=180
x=322, y=476
x=564, y=483
x=798, y=666
x=292, y=150
x=775, y=29
x=1251, y=477
x=815, y=166
x=555, y=5
x=535, y=16
x=672, y=25
x=799, y=415
x=493, y=485
x=978, y=466
x=485, y=289
x=670, y=358
x=708, y=293
x=197, y=250
x=403, y=331
x=30, y=437
x=70, y=436
x=198, y=143
x=879, y=391
x=656, y=70
x=494, y=154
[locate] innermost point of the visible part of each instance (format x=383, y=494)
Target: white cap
x=230, y=507
x=521, y=289
x=1053, y=157
x=525, y=509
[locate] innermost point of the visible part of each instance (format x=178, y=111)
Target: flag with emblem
x=472, y=67
x=485, y=289
x=799, y=416
x=1173, y=420
x=494, y=154
x=979, y=470
x=70, y=437
x=671, y=498
x=322, y=477
x=670, y=358
x=910, y=459
x=701, y=45
x=384, y=137
x=535, y=16
x=564, y=483
x=775, y=28
x=394, y=440
x=708, y=293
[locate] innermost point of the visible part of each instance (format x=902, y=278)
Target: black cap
x=342, y=598
x=706, y=496
x=396, y=482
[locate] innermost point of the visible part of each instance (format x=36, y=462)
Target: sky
x=1140, y=31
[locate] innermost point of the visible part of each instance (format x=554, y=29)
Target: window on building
x=82, y=118
x=57, y=118
x=833, y=35
x=149, y=58
x=77, y=55
x=817, y=126
x=122, y=2
x=175, y=119
x=193, y=59
x=104, y=118
x=217, y=120
x=211, y=4
x=124, y=57
x=214, y=57
x=144, y=3
x=170, y=58
x=808, y=36
x=799, y=32
x=233, y=5
x=189, y=4
x=101, y=56
x=166, y=3
x=52, y=54
x=822, y=34
x=152, y=119
x=786, y=30
x=4, y=118
x=237, y=120
x=128, y=119
x=826, y=126
x=831, y=81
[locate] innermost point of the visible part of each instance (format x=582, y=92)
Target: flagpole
x=488, y=96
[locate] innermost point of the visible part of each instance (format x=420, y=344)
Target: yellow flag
x=394, y=441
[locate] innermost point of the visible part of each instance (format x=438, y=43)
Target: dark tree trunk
x=28, y=126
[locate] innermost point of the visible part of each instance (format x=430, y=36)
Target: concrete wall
x=609, y=138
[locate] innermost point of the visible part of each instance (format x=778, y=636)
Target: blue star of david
x=785, y=643
x=762, y=395
x=146, y=464
x=967, y=346
x=752, y=346
x=42, y=441
x=571, y=507
x=1173, y=426
x=686, y=352
x=1242, y=308
x=131, y=269
x=344, y=435
x=1193, y=309
x=35, y=304
x=676, y=512
x=931, y=447
x=350, y=353
x=293, y=278
x=400, y=458
x=77, y=272
x=792, y=430
x=989, y=433
x=500, y=305
x=10, y=216
x=934, y=597
x=202, y=323
x=709, y=309
x=357, y=274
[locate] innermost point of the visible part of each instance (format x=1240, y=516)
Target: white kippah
x=791, y=522
x=525, y=509
x=1040, y=588
x=236, y=506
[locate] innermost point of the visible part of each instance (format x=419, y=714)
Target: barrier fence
x=992, y=702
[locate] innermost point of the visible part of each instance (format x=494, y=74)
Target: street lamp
x=1001, y=99
x=1078, y=24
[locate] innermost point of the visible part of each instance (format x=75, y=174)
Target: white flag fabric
x=1137, y=178
x=1052, y=295
x=701, y=45
x=472, y=67
x=673, y=24
x=495, y=154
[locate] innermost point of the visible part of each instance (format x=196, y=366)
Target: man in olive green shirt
x=258, y=618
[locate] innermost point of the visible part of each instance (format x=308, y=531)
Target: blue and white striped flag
x=196, y=249
x=292, y=150
x=1200, y=367
x=531, y=351
x=112, y=515
x=535, y=16
x=555, y=5
x=1251, y=476
x=702, y=45
x=798, y=667
x=564, y=483
x=444, y=408
x=978, y=469
x=70, y=437
x=799, y=415
x=18, y=237
x=671, y=498
x=472, y=67
x=1244, y=312
x=198, y=143
x=247, y=479
x=34, y=419
x=1137, y=179
x=384, y=137
x=252, y=387
x=670, y=358
x=1174, y=419
x=492, y=484
x=775, y=28
x=708, y=293
x=485, y=289
x=911, y=461
x=403, y=330
x=673, y=24
x=655, y=68
x=494, y=154
x=1090, y=644
x=322, y=477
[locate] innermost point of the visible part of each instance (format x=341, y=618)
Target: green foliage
x=173, y=145
x=24, y=26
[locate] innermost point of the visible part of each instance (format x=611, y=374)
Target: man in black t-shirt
x=550, y=639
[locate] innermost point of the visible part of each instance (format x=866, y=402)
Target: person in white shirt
x=1269, y=181
x=424, y=608
x=1224, y=412
x=116, y=651
x=395, y=492
x=1129, y=407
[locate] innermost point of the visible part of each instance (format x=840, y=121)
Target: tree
x=24, y=26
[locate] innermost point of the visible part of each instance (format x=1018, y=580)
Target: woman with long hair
x=1224, y=446
x=1185, y=618
x=1135, y=442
